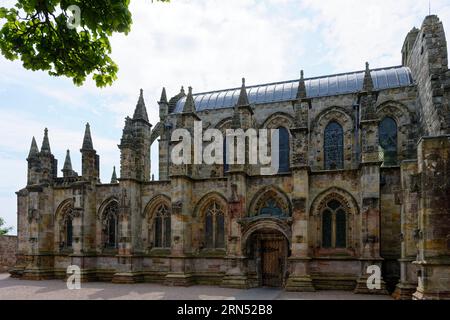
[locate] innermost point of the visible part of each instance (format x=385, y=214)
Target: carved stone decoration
x=177, y=207
x=33, y=215
x=299, y=204
x=125, y=204
x=234, y=193
x=398, y=195
x=124, y=199
x=415, y=183
x=78, y=198
x=370, y=203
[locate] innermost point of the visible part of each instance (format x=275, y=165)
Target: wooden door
x=271, y=262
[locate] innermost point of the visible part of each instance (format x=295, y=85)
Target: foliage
x=3, y=231
x=37, y=33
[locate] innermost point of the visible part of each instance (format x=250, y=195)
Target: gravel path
x=11, y=289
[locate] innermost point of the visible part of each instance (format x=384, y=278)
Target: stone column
x=409, y=213
x=84, y=216
x=433, y=234
x=129, y=262
x=236, y=275
x=180, y=265
x=40, y=219
x=299, y=274
x=370, y=200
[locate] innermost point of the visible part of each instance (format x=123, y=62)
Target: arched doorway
x=267, y=252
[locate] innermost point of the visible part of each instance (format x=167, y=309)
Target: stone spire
x=163, y=98
x=87, y=140
x=67, y=163
x=301, y=92
x=243, y=98
x=189, y=105
x=114, y=176
x=368, y=82
x=34, y=151
x=140, y=113
x=67, y=168
x=45, y=143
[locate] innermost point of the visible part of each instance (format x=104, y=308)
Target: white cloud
x=356, y=31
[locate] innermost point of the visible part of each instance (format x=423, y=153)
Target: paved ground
x=11, y=289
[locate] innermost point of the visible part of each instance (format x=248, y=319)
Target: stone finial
x=45, y=148
x=163, y=98
x=301, y=92
x=34, y=150
x=189, y=105
x=67, y=163
x=243, y=98
x=368, y=82
x=182, y=90
x=114, y=176
x=140, y=113
x=87, y=140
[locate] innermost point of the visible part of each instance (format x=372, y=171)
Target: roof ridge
x=296, y=80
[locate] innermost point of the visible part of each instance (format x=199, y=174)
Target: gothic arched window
x=388, y=141
x=334, y=146
x=334, y=225
x=214, y=226
x=162, y=227
x=283, y=140
x=66, y=227
x=111, y=225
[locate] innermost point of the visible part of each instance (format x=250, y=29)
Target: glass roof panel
x=382, y=79
x=342, y=83
x=403, y=75
x=393, y=80
x=278, y=93
x=333, y=85
x=270, y=93
x=316, y=87
x=228, y=99
x=220, y=99
x=251, y=94
x=287, y=88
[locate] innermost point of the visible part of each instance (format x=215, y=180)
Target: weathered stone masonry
x=8, y=250
x=364, y=181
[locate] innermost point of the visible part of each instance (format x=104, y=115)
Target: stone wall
x=428, y=61
x=8, y=248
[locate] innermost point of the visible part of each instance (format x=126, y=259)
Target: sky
x=208, y=45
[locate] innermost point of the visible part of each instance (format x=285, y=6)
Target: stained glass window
x=271, y=208
x=162, y=227
x=334, y=226
x=334, y=146
x=388, y=141
x=214, y=226
x=284, y=150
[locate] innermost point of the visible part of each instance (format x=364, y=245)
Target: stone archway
x=267, y=250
